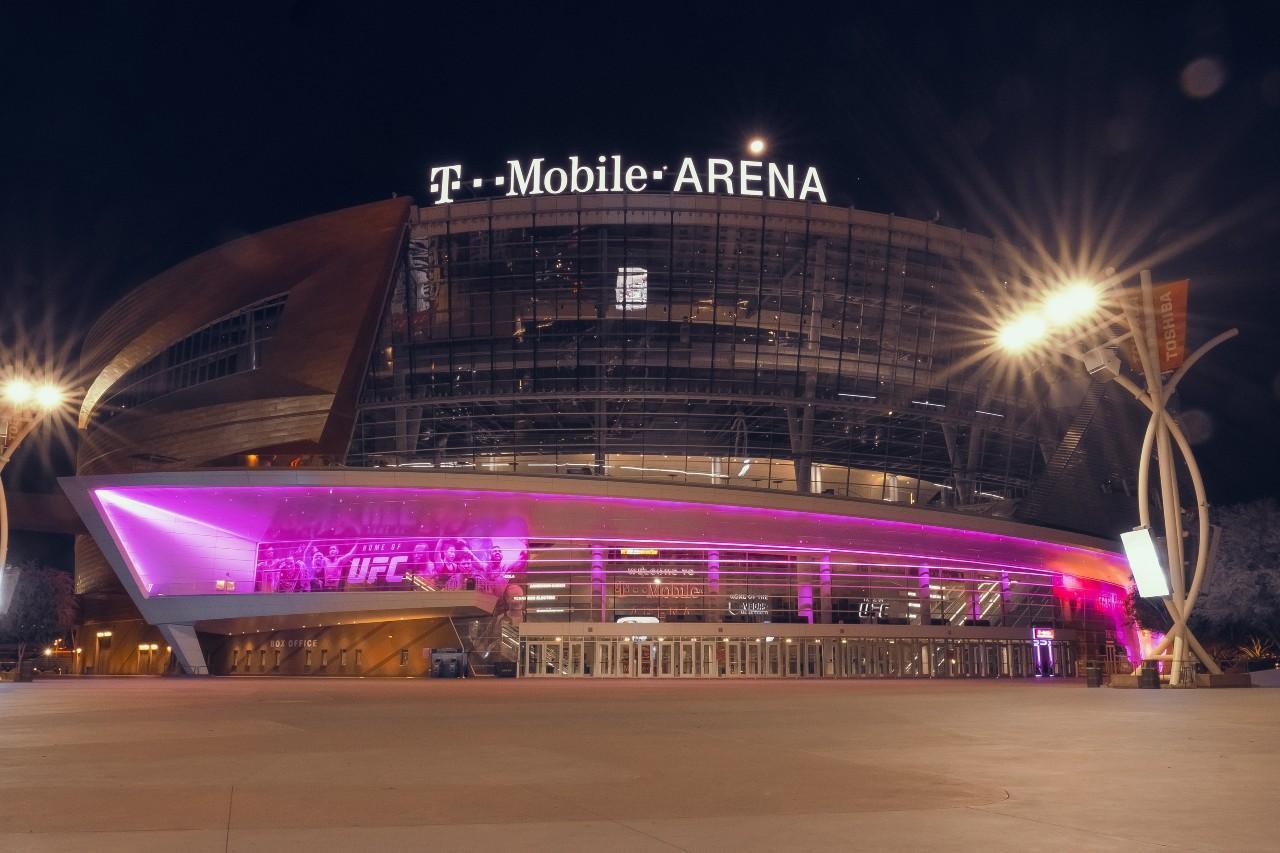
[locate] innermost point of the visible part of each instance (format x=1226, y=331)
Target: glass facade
x=799, y=349
x=232, y=344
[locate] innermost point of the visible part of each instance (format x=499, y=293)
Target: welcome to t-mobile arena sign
x=609, y=174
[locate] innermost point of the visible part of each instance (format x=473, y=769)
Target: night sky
x=129, y=141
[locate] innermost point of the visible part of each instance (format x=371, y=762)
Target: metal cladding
x=334, y=270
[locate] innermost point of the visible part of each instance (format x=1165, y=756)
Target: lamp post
x=23, y=405
x=1079, y=321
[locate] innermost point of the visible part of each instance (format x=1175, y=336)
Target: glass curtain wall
x=691, y=347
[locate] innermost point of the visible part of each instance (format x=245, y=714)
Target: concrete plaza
x=274, y=764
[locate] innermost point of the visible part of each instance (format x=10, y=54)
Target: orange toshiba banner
x=1171, y=324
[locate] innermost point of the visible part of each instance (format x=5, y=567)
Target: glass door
x=707, y=656
x=793, y=658
x=734, y=650
x=688, y=652
x=645, y=662
x=603, y=664
x=773, y=657
x=626, y=658
x=753, y=659
x=812, y=659
x=553, y=659
x=574, y=661
x=667, y=659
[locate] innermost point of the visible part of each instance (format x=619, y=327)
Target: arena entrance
x=793, y=657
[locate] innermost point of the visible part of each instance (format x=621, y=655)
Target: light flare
x=1023, y=333
x=1071, y=304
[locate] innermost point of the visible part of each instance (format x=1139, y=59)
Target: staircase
x=1059, y=465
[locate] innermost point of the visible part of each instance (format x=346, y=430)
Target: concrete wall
x=377, y=644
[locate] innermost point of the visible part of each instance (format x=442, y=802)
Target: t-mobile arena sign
x=610, y=174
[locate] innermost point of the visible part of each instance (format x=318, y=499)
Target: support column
x=599, y=585
x=1004, y=599
x=186, y=647
x=804, y=591
x=715, y=602
x=925, y=599
x=824, y=589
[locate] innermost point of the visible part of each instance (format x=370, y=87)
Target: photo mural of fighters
x=268, y=579
x=327, y=566
x=290, y=573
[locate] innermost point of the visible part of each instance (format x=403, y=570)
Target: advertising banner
x=1170, y=301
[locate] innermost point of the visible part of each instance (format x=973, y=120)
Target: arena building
x=598, y=434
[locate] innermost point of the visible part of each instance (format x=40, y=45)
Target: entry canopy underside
x=193, y=535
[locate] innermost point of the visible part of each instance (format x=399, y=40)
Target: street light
x=1073, y=303
x=757, y=146
x=18, y=392
x=1076, y=320
x=1023, y=333
x=25, y=403
x=48, y=397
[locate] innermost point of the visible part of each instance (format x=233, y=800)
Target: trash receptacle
x=505, y=669
x=1149, y=677
x=447, y=663
x=1093, y=675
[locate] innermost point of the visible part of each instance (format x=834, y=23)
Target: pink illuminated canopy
x=205, y=539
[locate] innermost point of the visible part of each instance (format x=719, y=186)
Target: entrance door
x=753, y=659
x=1043, y=657
x=575, y=661
x=626, y=658
x=734, y=652
x=644, y=663
x=812, y=659
x=552, y=658
x=688, y=659
x=707, y=655
x=993, y=660
x=793, y=658
x=773, y=657
x=667, y=665
x=602, y=664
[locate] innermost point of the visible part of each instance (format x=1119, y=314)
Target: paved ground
x=310, y=765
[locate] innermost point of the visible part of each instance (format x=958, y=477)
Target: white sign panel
x=1143, y=562
x=610, y=174
x=631, y=293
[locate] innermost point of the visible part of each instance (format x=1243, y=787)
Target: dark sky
x=132, y=136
